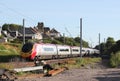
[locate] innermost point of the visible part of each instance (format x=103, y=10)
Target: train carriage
x=34, y=51
x=63, y=50
x=75, y=51
x=46, y=51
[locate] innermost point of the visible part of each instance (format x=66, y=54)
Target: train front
x=28, y=51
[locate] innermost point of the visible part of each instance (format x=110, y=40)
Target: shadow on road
x=109, y=76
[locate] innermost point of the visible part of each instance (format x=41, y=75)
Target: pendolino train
x=34, y=51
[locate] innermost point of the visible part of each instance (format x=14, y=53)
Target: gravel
x=96, y=72
x=82, y=75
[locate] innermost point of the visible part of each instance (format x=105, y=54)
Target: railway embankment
x=91, y=69
x=98, y=71
x=58, y=66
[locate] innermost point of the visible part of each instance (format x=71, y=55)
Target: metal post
x=99, y=43
x=81, y=37
x=23, y=31
x=64, y=38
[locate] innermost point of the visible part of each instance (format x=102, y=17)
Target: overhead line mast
x=23, y=31
x=81, y=37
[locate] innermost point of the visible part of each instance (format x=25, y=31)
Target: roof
x=53, y=31
x=46, y=29
x=27, y=31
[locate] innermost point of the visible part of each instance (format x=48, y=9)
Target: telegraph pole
x=81, y=37
x=99, y=43
x=23, y=31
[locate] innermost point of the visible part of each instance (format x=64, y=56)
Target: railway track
x=20, y=64
x=29, y=65
x=10, y=75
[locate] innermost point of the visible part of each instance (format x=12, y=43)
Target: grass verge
x=79, y=62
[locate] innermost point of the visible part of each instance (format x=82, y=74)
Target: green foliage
x=116, y=47
x=21, y=73
x=55, y=42
x=69, y=41
x=84, y=43
x=79, y=62
x=61, y=39
x=16, y=41
x=2, y=47
x=110, y=42
x=85, y=61
x=106, y=47
x=12, y=27
x=8, y=51
x=6, y=66
x=47, y=40
x=115, y=59
x=1, y=36
x=66, y=41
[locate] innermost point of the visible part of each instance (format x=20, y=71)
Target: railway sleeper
x=55, y=71
x=7, y=75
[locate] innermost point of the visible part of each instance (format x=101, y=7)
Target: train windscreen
x=27, y=47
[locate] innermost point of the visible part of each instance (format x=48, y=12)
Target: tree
x=106, y=48
x=12, y=27
x=110, y=42
x=116, y=47
x=5, y=27
x=84, y=43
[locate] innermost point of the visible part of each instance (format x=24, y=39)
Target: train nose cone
x=25, y=55
x=26, y=50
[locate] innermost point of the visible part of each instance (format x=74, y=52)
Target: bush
x=82, y=62
x=115, y=59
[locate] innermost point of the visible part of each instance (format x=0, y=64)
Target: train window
x=64, y=50
x=83, y=50
x=48, y=49
x=75, y=50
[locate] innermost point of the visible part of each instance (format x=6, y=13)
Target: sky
x=98, y=16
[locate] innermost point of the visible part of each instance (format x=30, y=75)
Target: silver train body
x=47, y=51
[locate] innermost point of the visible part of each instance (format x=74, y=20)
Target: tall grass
x=115, y=59
x=8, y=51
x=6, y=66
x=79, y=62
x=85, y=61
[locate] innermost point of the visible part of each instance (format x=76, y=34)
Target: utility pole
x=23, y=31
x=81, y=37
x=99, y=43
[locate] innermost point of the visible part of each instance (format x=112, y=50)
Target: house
x=47, y=32
x=54, y=33
x=2, y=39
x=30, y=33
x=38, y=32
x=40, y=27
x=50, y=33
x=14, y=34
